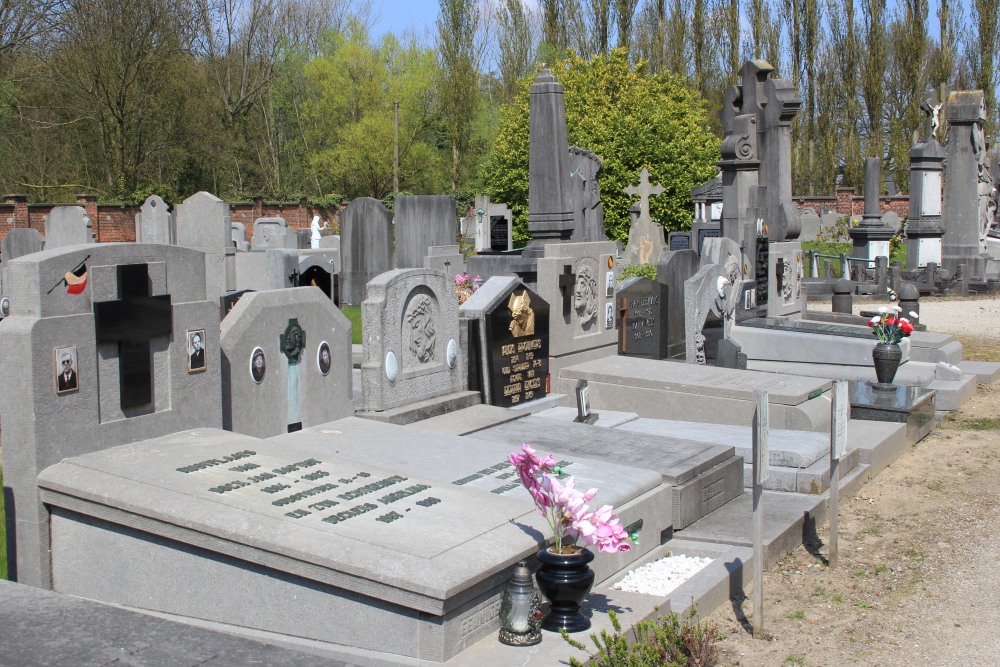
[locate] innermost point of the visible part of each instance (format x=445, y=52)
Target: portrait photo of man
x=67, y=379
x=323, y=358
x=196, y=350
x=258, y=365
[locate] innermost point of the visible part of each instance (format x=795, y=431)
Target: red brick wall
x=116, y=222
x=846, y=202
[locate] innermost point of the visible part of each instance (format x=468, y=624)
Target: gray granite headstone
x=785, y=270
x=422, y=221
x=153, y=222
x=239, y=236
x=968, y=184
x=673, y=269
x=255, y=372
x=411, y=340
x=202, y=222
x=273, y=232
x=704, y=296
x=366, y=246
x=585, y=195
x=66, y=226
x=19, y=242
x=811, y=224
x=446, y=258
x=47, y=420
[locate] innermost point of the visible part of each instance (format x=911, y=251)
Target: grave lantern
x=520, y=616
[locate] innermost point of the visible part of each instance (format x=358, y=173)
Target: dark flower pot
x=565, y=580
x=886, y=357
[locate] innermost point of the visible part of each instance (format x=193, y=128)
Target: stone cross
x=567, y=285
x=644, y=191
x=132, y=321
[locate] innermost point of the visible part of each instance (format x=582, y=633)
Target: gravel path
x=969, y=317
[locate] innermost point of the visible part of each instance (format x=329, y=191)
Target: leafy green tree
x=632, y=119
x=459, y=76
x=349, y=119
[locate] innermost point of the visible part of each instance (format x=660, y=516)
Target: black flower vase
x=565, y=580
x=887, y=357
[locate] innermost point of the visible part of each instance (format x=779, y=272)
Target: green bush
x=666, y=641
x=640, y=270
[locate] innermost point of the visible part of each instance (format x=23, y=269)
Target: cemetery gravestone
x=202, y=222
x=508, y=341
x=811, y=224
x=255, y=370
x=422, y=221
x=56, y=414
x=585, y=195
x=645, y=238
x=679, y=241
x=643, y=312
x=366, y=246
x=410, y=324
x=67, y=226
x=239, y=236
x=153, y=222
x=19, y=242
x=673, y=269
x=273, y=233
x=501, y=231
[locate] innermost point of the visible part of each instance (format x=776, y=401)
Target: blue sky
x=396, y=16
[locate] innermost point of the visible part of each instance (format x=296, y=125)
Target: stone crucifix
x=644, y=191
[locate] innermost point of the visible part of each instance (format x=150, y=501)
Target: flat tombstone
x=811, y=224
x=19, y=242
x=121, y=315
x=679, y=241
x=642, y=309
x=366, y=246
x=256, y=372
x=891, y=220
x=66, y=226
x=153, y=222
x=500, y=233
x=672, y=270
x=422, y=221
x=202, y=222
x=410, y=323
x=510, y=341
x=271, y=233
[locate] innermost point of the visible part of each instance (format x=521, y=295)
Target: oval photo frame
x=323, y=358
x=258, y=365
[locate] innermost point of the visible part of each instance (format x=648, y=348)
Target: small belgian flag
x=76, y=280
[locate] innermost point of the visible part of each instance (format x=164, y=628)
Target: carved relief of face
x=585, y=294
x=420, y=323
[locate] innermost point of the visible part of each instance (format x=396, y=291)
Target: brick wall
x=116, y=222
x=846, y=202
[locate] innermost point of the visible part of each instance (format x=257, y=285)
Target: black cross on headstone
x=567, y=285
x=131, y=321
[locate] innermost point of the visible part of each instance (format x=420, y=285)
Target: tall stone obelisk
x=550, y=208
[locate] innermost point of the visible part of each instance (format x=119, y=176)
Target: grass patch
x=837, y=597
x=881, y=568
x=792, y=660
x=978, y=348
x=982, y=424
x=797, y=615
x=863, y=605
x=936, y=486
x=354, y=315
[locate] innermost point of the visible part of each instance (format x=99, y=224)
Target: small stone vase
x=565, y=580
x=887, y=357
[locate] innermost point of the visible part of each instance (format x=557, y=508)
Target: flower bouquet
x=465, y=286
x=565, y=508
x=889, y=327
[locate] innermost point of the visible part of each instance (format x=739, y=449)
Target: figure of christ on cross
x=644, y=191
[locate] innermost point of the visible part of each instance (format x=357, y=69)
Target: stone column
x=925, y=227
x=871, y=237
x=783, y=103
x=550, y=209
x=964, y=230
